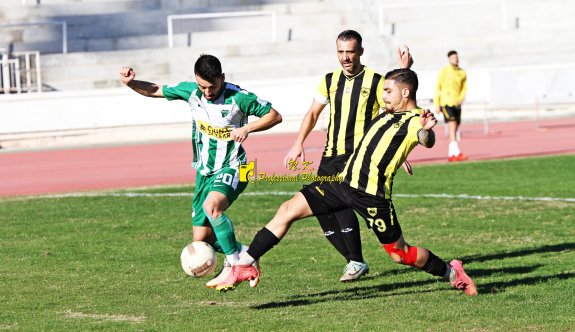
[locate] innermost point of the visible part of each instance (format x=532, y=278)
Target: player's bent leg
x=269, y=236
x=214, y=205
x=423, y=259
x=290, y=211
x=402, y=253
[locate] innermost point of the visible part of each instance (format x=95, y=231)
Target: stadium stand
x=82, y=44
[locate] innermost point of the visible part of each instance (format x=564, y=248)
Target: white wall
x=53, y=111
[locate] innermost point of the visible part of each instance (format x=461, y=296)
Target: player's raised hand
x=127, y=74
x=428, y=120
x=404, y=57
x=295, y=152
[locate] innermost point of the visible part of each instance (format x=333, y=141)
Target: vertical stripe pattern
x=385, y=146
x=353, y=104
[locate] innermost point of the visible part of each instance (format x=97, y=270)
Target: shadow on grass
x=520, y=253
x=404, y=288
x=500, y=286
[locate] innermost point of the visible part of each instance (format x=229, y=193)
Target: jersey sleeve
x=413, y=130
x=250, y=104
x=182, y=90
x=322, y=93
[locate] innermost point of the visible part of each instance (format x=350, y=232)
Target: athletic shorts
x=379, y=214
x=451, y=113
x=225, y=181
x=332, y=165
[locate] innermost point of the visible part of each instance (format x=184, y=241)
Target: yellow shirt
x=451, y=86
x=354, y=102
x=384, y=147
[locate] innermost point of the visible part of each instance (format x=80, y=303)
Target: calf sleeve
x=263, y=241
x=224, y=234
x=407, y=258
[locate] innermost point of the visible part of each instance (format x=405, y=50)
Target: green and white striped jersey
x=213, y=122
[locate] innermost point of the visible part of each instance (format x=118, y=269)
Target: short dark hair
x=208, y=67
x=450, y=53
x=350, y=34
x=405, y=76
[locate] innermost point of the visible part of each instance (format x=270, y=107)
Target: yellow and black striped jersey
x=384, y=147
x=451, y=86
x=354, y=102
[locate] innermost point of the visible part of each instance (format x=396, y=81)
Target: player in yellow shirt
x=354, y=94
x=367, y=189
x=449, y=95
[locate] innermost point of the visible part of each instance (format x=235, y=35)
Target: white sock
x=245, y=258
x=450, y=274
x=454, y=149
x=233, y=258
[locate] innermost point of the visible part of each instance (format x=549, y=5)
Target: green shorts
x=225, y=181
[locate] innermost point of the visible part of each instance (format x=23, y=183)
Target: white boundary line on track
x=289, y=193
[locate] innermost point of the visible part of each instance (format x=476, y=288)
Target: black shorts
x=332, y=165
x=379, y=214
x=451, y=113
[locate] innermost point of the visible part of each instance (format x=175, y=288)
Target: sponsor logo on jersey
x=221, y=133
x=225, y=113
x=364, y=92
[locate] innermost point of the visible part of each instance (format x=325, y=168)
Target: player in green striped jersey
x=220, y=113
x=367, y=188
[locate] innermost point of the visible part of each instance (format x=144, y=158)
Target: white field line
x=290, y=193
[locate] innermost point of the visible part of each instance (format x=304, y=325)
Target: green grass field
x=110, y=262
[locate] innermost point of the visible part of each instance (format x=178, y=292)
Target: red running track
x=97, y=168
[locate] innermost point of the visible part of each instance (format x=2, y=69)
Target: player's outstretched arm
x=148, y=89
x=426, y=135
x=307, y=124
x=267, y=121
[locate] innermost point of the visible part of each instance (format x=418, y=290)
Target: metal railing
x=62, y=23
x=172, y=18
x=20, y=73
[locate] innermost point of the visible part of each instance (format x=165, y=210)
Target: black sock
x=262, y=243
x=349, y=228
x=332, y=232
x=435, y=265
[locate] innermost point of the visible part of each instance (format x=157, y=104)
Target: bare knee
x=285, y=213
x=211, y=209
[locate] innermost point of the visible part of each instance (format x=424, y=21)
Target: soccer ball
x=198, y=259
